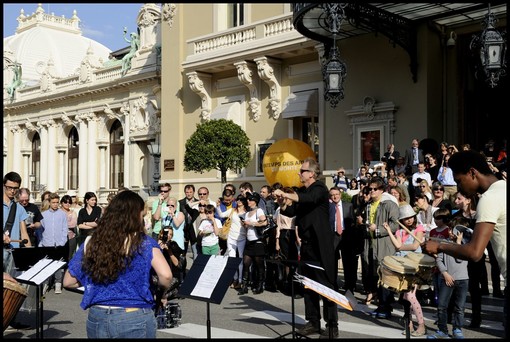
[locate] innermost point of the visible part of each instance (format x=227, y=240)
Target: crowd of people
x=274, y=231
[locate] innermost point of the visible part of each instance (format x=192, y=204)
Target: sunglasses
x=301, y=171
x=165, y=191
x=374, y=189
x=171, y=205
x=202, y=194
x=422, y=186
x=201, y=205
x=438, y=189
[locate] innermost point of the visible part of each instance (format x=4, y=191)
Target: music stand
x=208, y=280
x=292, y=264
x=38, y=269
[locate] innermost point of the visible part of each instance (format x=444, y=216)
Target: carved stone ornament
x=168, y=13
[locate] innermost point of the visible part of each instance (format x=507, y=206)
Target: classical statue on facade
x=135, y=45
x=16, y=80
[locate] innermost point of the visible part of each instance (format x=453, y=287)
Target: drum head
x=15, y=287
x=423, y=260
x=400, y=264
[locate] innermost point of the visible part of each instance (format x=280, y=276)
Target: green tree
x=217, y=144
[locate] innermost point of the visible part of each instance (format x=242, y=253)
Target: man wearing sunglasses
x=160, y=208
x=382, y=209
x=317, y=248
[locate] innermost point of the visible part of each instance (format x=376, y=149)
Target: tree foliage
x=217, y=144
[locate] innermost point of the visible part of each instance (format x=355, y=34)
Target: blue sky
x=101, y=22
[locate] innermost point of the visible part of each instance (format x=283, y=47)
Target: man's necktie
x=339, y=228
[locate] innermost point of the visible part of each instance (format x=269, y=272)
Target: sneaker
x=457, y=333
x=384, y=315
x=58, y=288
x=325, y=333
x=309, y=329
x=438, y=334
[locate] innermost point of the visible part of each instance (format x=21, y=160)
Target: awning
x=301, y=104
x=228, y=111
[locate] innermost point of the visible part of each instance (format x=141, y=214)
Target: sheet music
x=41, y=271
x=210, y=276
x=32, y=271
x=326, y=292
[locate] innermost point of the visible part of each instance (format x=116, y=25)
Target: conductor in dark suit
x=317, y=247
x=413, y=157
x=351, y=244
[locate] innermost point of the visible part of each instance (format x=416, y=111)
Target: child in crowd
x=209, y=229
x=453, y=281
x=405, y=243
x=442, y=231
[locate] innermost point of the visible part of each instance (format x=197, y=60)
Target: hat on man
x=253, y=196
x=406, y=211
x=71, y=193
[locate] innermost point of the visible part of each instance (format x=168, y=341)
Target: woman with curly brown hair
x=114, y=266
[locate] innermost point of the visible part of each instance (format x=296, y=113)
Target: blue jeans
x=459, y=292
x=117, y=323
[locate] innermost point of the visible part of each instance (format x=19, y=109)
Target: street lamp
x=322, y=21
x=154, y=147
x=492, y=47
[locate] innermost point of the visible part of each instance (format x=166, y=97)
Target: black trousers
x=312, y=298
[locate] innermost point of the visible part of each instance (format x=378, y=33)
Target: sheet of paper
x=43, y=270
x=210, y=276
x=32, y=271
x=325, y=291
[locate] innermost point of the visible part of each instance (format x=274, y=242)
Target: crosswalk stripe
x=369, y=328
x=200, y=331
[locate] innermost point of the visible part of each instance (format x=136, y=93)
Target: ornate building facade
x=91, y=128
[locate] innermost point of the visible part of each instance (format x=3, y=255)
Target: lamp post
x=155, y=151
x=322, y=22
x=492, y=48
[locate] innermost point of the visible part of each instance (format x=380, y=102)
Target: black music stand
x=195, y=287
x=39, y=263
x=407, y=314
x=292, y=264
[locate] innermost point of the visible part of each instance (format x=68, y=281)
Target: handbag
x=224, y=231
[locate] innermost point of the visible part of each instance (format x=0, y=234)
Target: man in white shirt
x=421, y=174
x=474, y=176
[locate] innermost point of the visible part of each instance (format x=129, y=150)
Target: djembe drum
x=397, y=273
x=426, y=266
x=14, y=295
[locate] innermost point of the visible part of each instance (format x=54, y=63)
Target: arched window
x=73, y=153
x=116, y=155
x=36, y=159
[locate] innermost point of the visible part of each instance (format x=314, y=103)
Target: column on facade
x=25, y=179
x=61, y=168
x=83, y=154
x=16, y=149
x=127, y=151
x=52, y=156
x=102, y=166
x=43, y=132
x=92, y=153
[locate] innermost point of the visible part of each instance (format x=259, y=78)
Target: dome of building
x=46, y=42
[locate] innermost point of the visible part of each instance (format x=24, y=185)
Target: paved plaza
x=267, y=315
